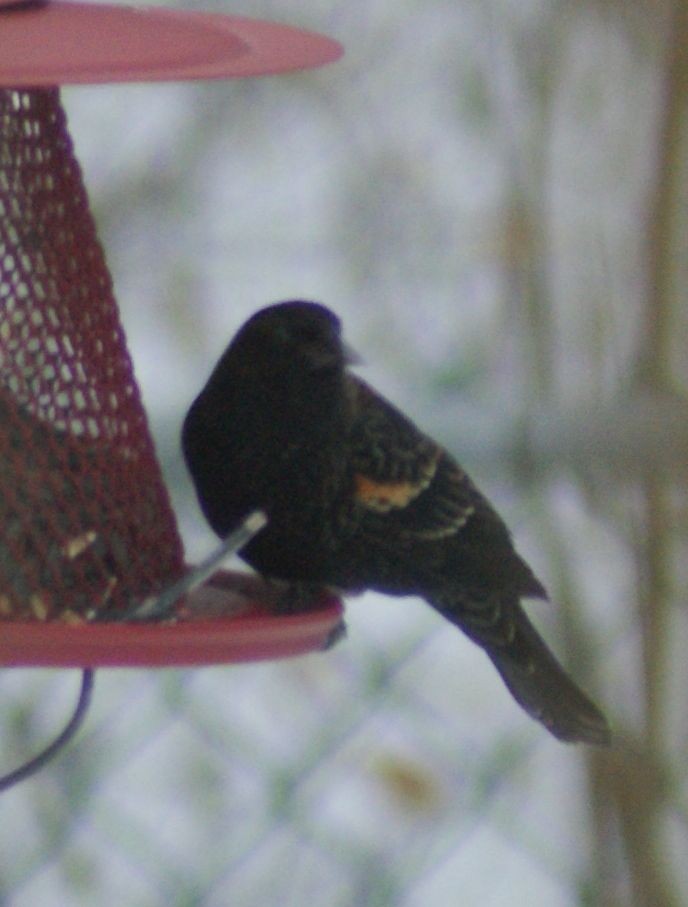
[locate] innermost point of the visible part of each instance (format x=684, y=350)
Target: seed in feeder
x=39, y=606
x=76, y=546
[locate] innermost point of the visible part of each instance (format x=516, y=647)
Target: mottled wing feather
x=403, y=476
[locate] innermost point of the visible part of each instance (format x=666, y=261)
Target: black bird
x=358, y=497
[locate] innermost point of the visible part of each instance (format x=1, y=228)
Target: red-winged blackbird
x=359, y=498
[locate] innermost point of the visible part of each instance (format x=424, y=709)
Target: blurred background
x=494, y=197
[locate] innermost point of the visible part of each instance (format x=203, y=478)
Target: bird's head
x=300, y=334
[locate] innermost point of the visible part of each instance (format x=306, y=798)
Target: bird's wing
x=402, y=478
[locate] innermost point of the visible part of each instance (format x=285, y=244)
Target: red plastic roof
x=66, y=43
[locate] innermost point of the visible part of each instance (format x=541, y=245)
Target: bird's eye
x=311, y=333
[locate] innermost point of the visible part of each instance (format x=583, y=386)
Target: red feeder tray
x=85, y=521
x=220, y=623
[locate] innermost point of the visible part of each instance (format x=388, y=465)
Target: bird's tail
x=532, y=674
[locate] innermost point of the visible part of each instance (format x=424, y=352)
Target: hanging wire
x=153, y=608
x=39, y=761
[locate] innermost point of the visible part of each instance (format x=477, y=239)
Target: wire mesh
x=87, y=524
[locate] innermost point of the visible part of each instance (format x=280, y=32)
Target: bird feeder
x=87, y=532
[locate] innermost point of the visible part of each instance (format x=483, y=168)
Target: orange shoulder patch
x=384, y=496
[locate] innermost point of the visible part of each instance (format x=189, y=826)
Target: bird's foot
x=298, y=597
x=336, y=634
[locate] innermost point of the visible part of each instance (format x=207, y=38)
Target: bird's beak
x=351, y=357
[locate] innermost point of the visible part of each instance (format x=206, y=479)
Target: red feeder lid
x=69, y=43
